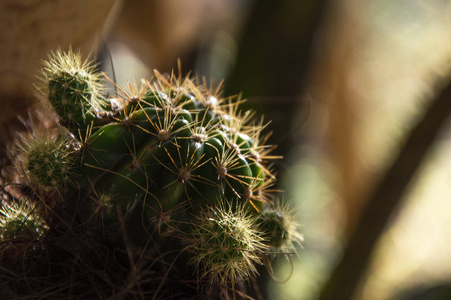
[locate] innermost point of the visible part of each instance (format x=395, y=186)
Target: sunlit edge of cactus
x=25, y=215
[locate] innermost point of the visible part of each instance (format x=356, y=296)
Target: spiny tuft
x=226, y=244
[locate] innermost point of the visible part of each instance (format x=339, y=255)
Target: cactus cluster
x=170, y=174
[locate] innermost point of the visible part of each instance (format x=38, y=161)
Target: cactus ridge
x=165, y=166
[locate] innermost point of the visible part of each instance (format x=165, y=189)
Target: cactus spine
x=167, y=167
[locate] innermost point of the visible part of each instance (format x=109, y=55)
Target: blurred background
x=344, y=84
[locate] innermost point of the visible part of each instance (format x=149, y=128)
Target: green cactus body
x=158, y=152
x=74, y=85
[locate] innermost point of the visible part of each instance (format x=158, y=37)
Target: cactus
x=169, y=170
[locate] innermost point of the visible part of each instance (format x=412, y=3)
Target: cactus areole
x=170, y=165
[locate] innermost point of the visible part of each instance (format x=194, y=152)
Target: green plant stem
x=386, y=199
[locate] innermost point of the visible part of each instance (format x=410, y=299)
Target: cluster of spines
x=160, y=153
x=48, y=161
x=280, y=228
x=20, y=221
x=227, y=244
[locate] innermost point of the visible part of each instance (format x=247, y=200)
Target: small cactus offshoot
x=280, y=228
x=48, y=161
x=158, y=182
x=72, y=87
x=226, y=244
x=20, y=221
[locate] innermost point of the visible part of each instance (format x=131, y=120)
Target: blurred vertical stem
x=385, y=200
x=273, y=60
